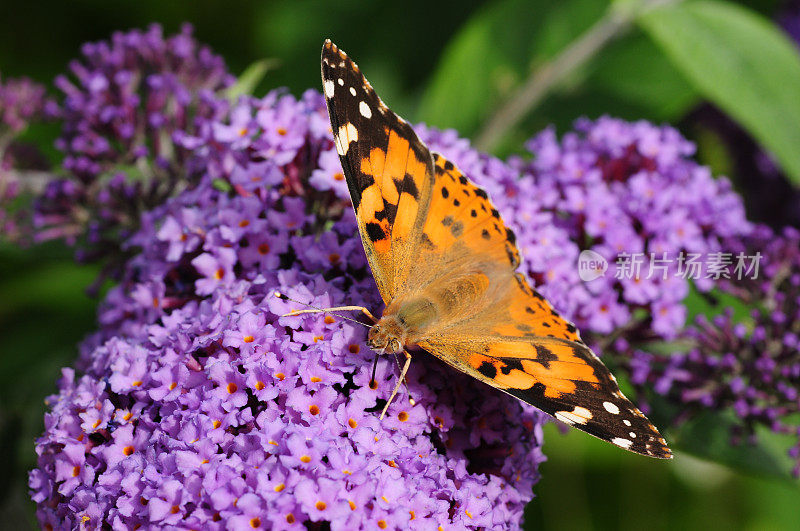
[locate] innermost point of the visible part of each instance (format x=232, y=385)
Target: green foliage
x=708, y=436
x=742, y=63
x=252, y=76
x=492, y=56
x=44, y=313
x=634, y=70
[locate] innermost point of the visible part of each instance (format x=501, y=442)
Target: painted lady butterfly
x=445, y=265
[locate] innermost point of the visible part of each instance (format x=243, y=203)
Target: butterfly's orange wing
x=431, y=235
x=389, y=172
x=515, y=341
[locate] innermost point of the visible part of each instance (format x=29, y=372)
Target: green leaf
x=708, y=436
x=636, y=71
x=222, y=185
x=714, y=303
x=742, y=63
x=247, y=82
x=494, y=52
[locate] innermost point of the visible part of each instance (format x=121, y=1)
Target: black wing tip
x=659, y=452
x=655, y=446
x=330, y=50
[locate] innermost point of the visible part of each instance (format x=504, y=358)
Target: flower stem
x=614, y=23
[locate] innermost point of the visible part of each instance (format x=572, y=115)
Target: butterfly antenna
x=314, y=309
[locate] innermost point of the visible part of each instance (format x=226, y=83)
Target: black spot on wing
x=406, y=185
x=511, y=364
x=388, y=213
x=510, y=236
x=487, y=369
x=544, y=356
x=374, y=232
x=513, y=255
x=357, y=182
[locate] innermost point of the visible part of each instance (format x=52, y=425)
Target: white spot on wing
x=346, y=134
x=353, y=91
x=329, y=88
x=341, y=150
x=365, y=110
x=611, y=408
x=579, y=415
x=583, y=412
x=626, y=422
x=633, y=435
x=624, y=443
x=341, y=82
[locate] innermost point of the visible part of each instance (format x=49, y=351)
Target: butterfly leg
x=400, y=381
x=404, y=380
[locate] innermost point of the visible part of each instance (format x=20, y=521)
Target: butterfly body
x=446, y=267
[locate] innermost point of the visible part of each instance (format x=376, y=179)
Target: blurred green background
x=417, y=54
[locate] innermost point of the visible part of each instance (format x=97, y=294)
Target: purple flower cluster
x=22, y=101
x=620, y=188
x=125, y=106
x=199, y=406
x=750, y=366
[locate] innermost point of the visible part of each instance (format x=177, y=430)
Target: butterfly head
x=386, y=336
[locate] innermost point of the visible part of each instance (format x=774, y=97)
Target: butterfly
x=446, y=267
